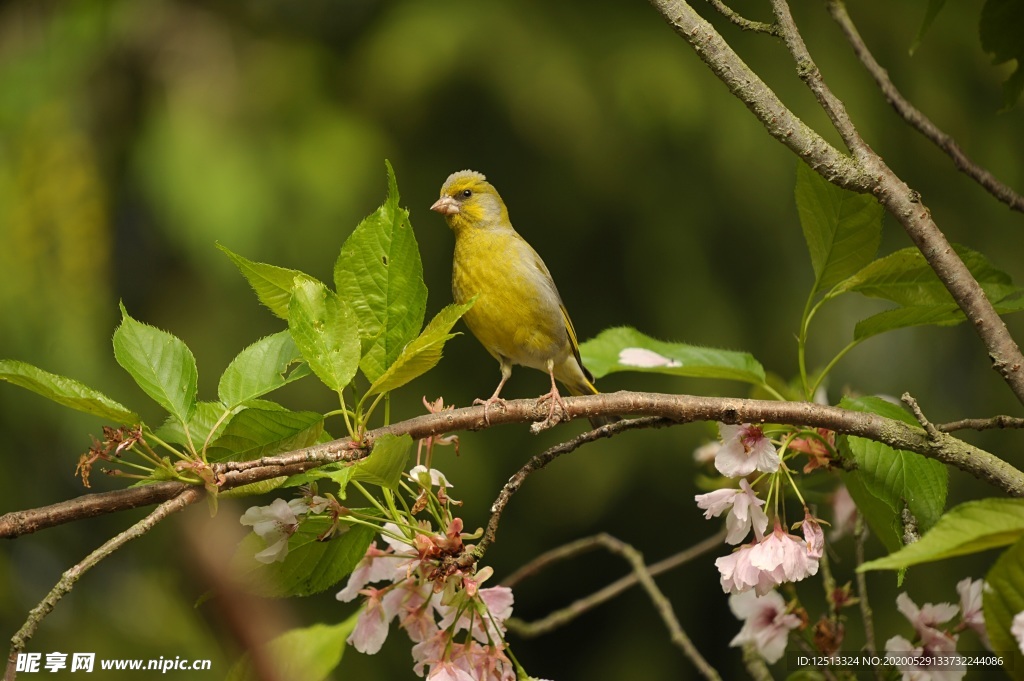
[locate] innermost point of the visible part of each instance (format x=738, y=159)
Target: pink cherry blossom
x=371, y=628
x=814, y=536
x=766, y=624
x=970, y=607
x=902, y=648
x=744, y=511
x=744, y=450
x=274, y=524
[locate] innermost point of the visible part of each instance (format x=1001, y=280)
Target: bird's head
x=468, y=200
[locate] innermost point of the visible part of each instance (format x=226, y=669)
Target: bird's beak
x=446, y=205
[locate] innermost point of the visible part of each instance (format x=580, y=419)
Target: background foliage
x=133, y=136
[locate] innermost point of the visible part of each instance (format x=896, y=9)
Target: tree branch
x=982, y=424
x=668, y=409
x=18, y=642
x=917, y=119
x=865, y=173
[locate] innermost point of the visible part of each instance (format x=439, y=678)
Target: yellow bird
x=518, y=315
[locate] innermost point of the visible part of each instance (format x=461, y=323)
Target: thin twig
x=543, y=459
x=982, y=424
x=917, y=119
x=915, y=408
x=860, y=530
x=644, y=576
x=72, y=575
x=741, y=21
x=809, y=73
x=584, y=545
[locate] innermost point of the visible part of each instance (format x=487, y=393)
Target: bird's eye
x=466, y=193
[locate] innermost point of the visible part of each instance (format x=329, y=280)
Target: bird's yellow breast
x=517, y=314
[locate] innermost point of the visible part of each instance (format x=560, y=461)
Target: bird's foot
x=488, y=403
x=556, y=401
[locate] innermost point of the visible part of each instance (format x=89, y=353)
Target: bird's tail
x=587, y=387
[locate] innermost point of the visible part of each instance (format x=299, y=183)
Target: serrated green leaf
x=65, y=391
x=1002, y=599
x=968, y=528
x=626, y=349
x=1000, y=30
x=380, y=275
x=423, y=353
x=905, y=317
x=204, y=418
x=934, y=7
x=906, y=278
x=888, y=479
x=310, y=654
x=310, y=567
x=386, y=463
x=272, y=284
x=161, y=364
x=842, y=229
x=325, y=331
x=254, y=433
x=261, y=368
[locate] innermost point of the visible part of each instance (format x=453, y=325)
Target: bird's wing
x=538, y=262
x=574, y=343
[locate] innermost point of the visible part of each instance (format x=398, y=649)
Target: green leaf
x=888, y=479
x=325, y=331
x=380, y=275
x=254, y=433
x=1000, y=29
x=842, y=229
x=202, y=421
x=272, y=284
x=261, y=368
x=934, y=7
x=161, y=364
x=65, y=391
x=423, y=353
x=626, y=349
x=386, y=462
x=310, y=654
x=1003, y=598
x=906, y=278
x=310, y=567
x=968, y=528
x=904, y=317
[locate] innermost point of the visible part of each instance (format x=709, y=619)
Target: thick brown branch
x=17, y=523
x=917, y=119
x=669, y=408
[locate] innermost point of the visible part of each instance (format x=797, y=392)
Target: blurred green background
x=136, y=135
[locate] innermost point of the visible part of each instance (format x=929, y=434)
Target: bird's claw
x=556, y=401
x=488, y=403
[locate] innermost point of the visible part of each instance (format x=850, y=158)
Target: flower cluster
x=770, y=560
x=753, y=570
x=434, y=596
x=935, y=636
